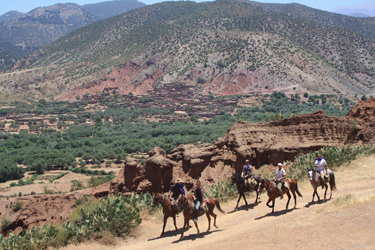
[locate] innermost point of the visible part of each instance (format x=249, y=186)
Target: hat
x=179, y=180
x=279, y=164
x=247, y=160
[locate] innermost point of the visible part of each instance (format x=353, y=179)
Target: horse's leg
x=165, y=222
x=186, y=221
x=244, y=197
x=256, y=199
x=238, y=201
x=213, y=215
x=209, y=222
x=295, y=197
x=273, y=205
x=330, y=187
x=268, y=202
x=196, y=226
x=325, y=193
x=288, y=194
x=174, y=221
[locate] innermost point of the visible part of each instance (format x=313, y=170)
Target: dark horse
x=189, y=211
x=272, y=193
x=242, y=188
x=168, y=209
x=317, y=181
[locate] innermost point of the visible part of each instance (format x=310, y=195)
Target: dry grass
x=344, y=201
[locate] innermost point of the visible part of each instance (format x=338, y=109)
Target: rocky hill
x=224, y=47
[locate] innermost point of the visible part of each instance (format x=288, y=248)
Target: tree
x=297, y=96
x=363, y=98
x=305, y=94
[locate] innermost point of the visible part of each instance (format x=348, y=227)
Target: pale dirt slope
x=310, y=226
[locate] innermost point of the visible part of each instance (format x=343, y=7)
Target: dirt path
x=309, y=226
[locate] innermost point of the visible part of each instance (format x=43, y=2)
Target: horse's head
x=158, y=199
x=233, y=178
x=310, y=173
x=260, y=185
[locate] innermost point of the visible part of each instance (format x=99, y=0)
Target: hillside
x=223, y=47
x=10, y=15
x=44, y=25
x=362, y=26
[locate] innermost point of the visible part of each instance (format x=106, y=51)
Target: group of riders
x=320, y=166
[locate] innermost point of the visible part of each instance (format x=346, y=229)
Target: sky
x=27, y=5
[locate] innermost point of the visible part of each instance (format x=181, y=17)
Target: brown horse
x=242, y=188
x=168, y=209
x=272, y=193
x=189, y=211
x=317, y=182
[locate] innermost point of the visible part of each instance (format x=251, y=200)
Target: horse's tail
x=217, y=203
x=332, y=182
x=297, y=190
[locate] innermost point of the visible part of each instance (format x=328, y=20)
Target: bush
x=17, y=206
x=222, y=190
x=76, y=185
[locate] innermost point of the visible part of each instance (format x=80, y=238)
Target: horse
x=242, y=188
x=317, y=181
x=189, y=211
x=168, y=210
x=272, y=193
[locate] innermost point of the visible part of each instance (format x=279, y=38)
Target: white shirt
x=321, y=164
x=280, y=173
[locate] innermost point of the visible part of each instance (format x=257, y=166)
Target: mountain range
x=44, y=25
x=222, y=47
x=361, y=10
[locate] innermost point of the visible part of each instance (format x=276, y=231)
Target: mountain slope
x=224, y=47
x=10, y=15
x=44, y=25
x=111, y=8
x=364, y=26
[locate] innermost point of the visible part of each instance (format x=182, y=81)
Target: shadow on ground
x=244, y=207
x=277, y=213
x=195, y=236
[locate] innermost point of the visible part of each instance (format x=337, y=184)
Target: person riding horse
x=321, y=166
x=175, y=192
x=246, y=173
x=279, y=179
x=198, y=199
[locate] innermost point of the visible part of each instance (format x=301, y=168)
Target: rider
x=198, y=199
x=246, y=173
x=279, y=179
x=176, y=191
x=321, y=166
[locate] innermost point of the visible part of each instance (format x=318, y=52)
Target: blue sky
x=27, y=5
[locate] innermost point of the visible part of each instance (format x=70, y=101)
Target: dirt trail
x=309, y=226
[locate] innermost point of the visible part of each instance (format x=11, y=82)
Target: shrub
x=5, y=223
x=17, y=206
x=76, y=185
x=222, y=190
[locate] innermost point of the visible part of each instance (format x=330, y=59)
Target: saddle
x=203, y=207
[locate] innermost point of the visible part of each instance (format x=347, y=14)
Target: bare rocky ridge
x=262, y=143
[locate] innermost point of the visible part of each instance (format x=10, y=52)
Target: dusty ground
x=340, y=223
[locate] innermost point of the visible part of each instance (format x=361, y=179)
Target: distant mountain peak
x=360, y=10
